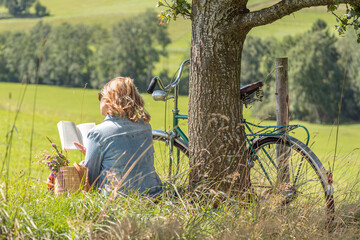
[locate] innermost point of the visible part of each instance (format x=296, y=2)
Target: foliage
x=67, y=56
x=350, y=58
x=135, y=47
x=175, y=8
x=316, y=73
x=18, y=7
x=77, y=54
x=350, y=18
x=255, y=54
x=40, y=10
x=183, y=8
x=21, y=53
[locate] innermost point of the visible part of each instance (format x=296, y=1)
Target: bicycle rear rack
x=281, y=130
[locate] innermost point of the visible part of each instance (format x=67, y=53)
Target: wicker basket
x=72, y=179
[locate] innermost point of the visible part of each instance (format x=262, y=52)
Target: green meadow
x=28, y=210
x=53, y=104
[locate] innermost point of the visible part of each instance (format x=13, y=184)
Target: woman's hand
x=82, y=149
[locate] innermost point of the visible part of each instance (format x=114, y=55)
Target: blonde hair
x=123, y=99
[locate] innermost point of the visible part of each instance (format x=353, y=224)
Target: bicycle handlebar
x=180, y=70
x=172, y=84
x=152, y=85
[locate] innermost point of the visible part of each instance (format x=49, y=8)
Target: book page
x=84, y=129
x=68, y=134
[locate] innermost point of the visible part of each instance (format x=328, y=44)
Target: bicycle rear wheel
x=286, y=171
x=170, y=164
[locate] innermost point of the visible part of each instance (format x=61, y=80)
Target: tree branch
x=279, y=10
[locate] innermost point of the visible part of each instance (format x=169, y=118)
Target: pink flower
x=53, y=144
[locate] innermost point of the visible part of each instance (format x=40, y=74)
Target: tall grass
x=77, y=216
x=28, y=210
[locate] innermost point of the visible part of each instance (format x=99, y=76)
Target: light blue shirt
x=120, y=153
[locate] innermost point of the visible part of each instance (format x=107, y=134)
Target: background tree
x=255, y=53
x=350, y=54
x=316, y=73
x=68, y=61
x=15, y=56
x=40, y=10
x=21, y=51
x=135, y=47
x=79, y=54
x=18, y=7
x=316, y=76
x=219, y=29
x=5, y=73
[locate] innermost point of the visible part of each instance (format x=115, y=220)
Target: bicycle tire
x=304, y=181
x=161, y=142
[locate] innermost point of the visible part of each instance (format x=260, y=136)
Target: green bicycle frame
x=250, y=136
x=177, y=132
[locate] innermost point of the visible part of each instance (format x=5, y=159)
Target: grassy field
x=27, y=210
x=53, y=105
x=78, y=105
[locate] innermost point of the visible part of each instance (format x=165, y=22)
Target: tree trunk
x=219, y=29
x=217, y=141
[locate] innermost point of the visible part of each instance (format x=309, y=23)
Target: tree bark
x=215, y=110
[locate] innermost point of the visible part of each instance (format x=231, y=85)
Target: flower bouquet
x=53, y=160
x=64, y=178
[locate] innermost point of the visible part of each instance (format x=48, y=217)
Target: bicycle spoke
x=168, y=163
x=296, y=183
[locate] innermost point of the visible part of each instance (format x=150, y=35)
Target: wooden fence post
x=282, y=116
x=282, y=91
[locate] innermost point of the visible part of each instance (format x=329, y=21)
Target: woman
x=120, y=151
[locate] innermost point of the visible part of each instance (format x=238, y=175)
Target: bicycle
x=280, y=165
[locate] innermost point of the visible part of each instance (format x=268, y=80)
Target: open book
x=70, y=132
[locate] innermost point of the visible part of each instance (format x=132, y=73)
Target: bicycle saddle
x=248, y=89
